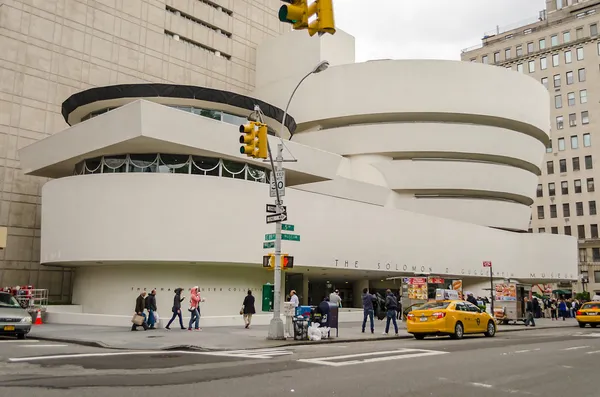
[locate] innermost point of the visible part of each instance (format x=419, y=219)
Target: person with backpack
x=391, y=305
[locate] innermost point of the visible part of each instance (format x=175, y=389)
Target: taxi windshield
x=433, y=305
x=7, y=300
x=591, y=306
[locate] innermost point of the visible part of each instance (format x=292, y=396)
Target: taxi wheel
x=459, y=331
x=419, y=336
x=581, y=325
x=491, y=330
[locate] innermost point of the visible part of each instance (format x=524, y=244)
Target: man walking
x=391, y=304
x=139, y=310
x=151, y=307
x=367, y=301
x=529, y=317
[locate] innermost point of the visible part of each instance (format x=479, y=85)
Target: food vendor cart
x=510, y=301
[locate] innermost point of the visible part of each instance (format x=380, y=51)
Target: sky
x=426, y=29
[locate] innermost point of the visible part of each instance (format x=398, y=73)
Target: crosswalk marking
x=19, y=341
x=258, y=353
x=576, y=348
x=591, y=335
x=362, y=358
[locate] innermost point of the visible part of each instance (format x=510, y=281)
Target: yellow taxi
x=588, y=313
x=449, y=317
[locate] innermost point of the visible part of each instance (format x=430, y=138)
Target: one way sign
x=272, y=208
x=276, y=218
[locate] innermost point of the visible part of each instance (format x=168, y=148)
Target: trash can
x=300, y=328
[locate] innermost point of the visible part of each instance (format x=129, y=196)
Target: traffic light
x=296, y=13
x=254, y=138
x=287, y=262
x=324, y=21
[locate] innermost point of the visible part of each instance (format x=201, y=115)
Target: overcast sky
x=433, y=29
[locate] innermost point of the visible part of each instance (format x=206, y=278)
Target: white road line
x=43, y=346
x=19, y=341
x=482, y=385
x=594, y=352
x=387, y=356
x=527, y=351
x=575, y=348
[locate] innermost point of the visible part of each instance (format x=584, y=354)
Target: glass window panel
x=205, y=166
x=232, y=169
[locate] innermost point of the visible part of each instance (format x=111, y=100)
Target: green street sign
x=269, y=244
x=290, y=237
x=289, y=228
x=270, y=237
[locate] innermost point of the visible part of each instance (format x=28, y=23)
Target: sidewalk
x=221, y=338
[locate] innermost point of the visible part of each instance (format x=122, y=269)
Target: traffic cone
x=38, y=319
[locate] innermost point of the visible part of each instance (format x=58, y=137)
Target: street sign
x=487, y=264
x=272, y=208
x=277, y=183
x=269, y=244
x=289, y=228
x=270, y=237
x=276, y=218
x=290, y=237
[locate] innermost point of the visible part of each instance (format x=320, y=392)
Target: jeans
x=151, y=321
x=195, y=318
x=529, y=318
x=175, y=314
x=391, y=316
x=368, y=313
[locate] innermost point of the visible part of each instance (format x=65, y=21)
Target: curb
x=289, y=343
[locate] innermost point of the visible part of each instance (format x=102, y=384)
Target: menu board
x=457, y=286
x=417, y=287
x=506, y=292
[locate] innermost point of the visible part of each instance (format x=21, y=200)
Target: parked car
x=14, y=320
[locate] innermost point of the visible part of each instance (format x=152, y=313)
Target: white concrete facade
x=385, y=185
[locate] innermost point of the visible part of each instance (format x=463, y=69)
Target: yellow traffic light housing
x=324, y=21
x=263, y=141
x=286, y=261
x=296, y=13
x=249, y=139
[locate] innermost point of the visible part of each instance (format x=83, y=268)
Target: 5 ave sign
x=277, y=183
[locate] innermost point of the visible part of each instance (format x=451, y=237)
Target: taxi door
x=477, y=317
x=465, y=317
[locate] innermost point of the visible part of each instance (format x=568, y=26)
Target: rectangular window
x=555, y=60
x=558, y=101
x=531, y=66
x=496, y=57
x=540, y=211
x=577, y=183
x=520, y=68
x=574, y=142
x=589, y=164
x=579, y=208
x=550, y=167
x=571, y=98
x=594, y=29
x=551, y=189
x=564, y=187
x=562, y=165
x=566, y=37
x=581, y=74
x=575, y=163
x=540, y=191
x=556, y=80
x=579, y=33
x=585, y=117
x=554, y=229
x=553, y=213
x=568, y=230
x=592, y=206
x=570, y=79
x=590, y=185
x=549, y=148
x=507, y=53
x=545, y=82
x=543, y=63
x=542, y=44
x=583, y=96
x=587, y=140
x=566, y=210
x=568, y=57
x=572, y=120
x=519, y=50
x=561, y=144
x=530, y=48
x=580, y=54
x=484, y=59
x=581, y=231
x=594, y=232
x=554, y=40
x=542, y=230
x=560, y=122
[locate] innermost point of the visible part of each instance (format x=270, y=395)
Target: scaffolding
x=33, y=300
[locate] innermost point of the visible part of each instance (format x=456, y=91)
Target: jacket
x=140, y=304
x=249, y=305
x=391, y=303
x=367, y=301
x=151, y=302
x=194, y=299
x=177, y=299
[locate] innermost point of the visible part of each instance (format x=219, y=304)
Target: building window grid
x=566, y=210
x=573, y=120
x=576, y=166
x=571, y=99
x=583, y=96
x=198, y=21
x=587, y=140
x=579, y=208
x=589, y=163
x=568, y=57
x=558, y=101
x=580, y=55
x=550, y=167
x=561, y=144
x=540, y=212
x=560, y=122
x=577, y=185
x=551, y=189
x=590, y=185
x=564, y=187
x=196, y=44
x=570, y=79
x=592, y=207
x=585, y=117
x=568, y=230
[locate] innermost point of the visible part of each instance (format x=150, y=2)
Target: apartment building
x=51, y=49
x=560, y=48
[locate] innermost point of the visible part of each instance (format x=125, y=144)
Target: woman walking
x=194, y=302
x=248, y=308
x=177, y=299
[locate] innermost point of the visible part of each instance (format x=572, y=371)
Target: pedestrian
x=323, y=309
x=367, y=301
x=194, y=309
x=529, y=313
x=562, y=309
x=553, y=309
x=289, y=327
x=248, y=309
x=334, y=298
x=151, y=307
x=471, y=298
x=536, y=307
x=391, y=304
x=139, y=310
x=177, y=299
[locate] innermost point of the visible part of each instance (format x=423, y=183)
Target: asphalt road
x=532, y=363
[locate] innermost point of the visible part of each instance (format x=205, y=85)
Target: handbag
x=137, y=319
x=242, y=311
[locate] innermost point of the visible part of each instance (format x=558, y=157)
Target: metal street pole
x=492, y=287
